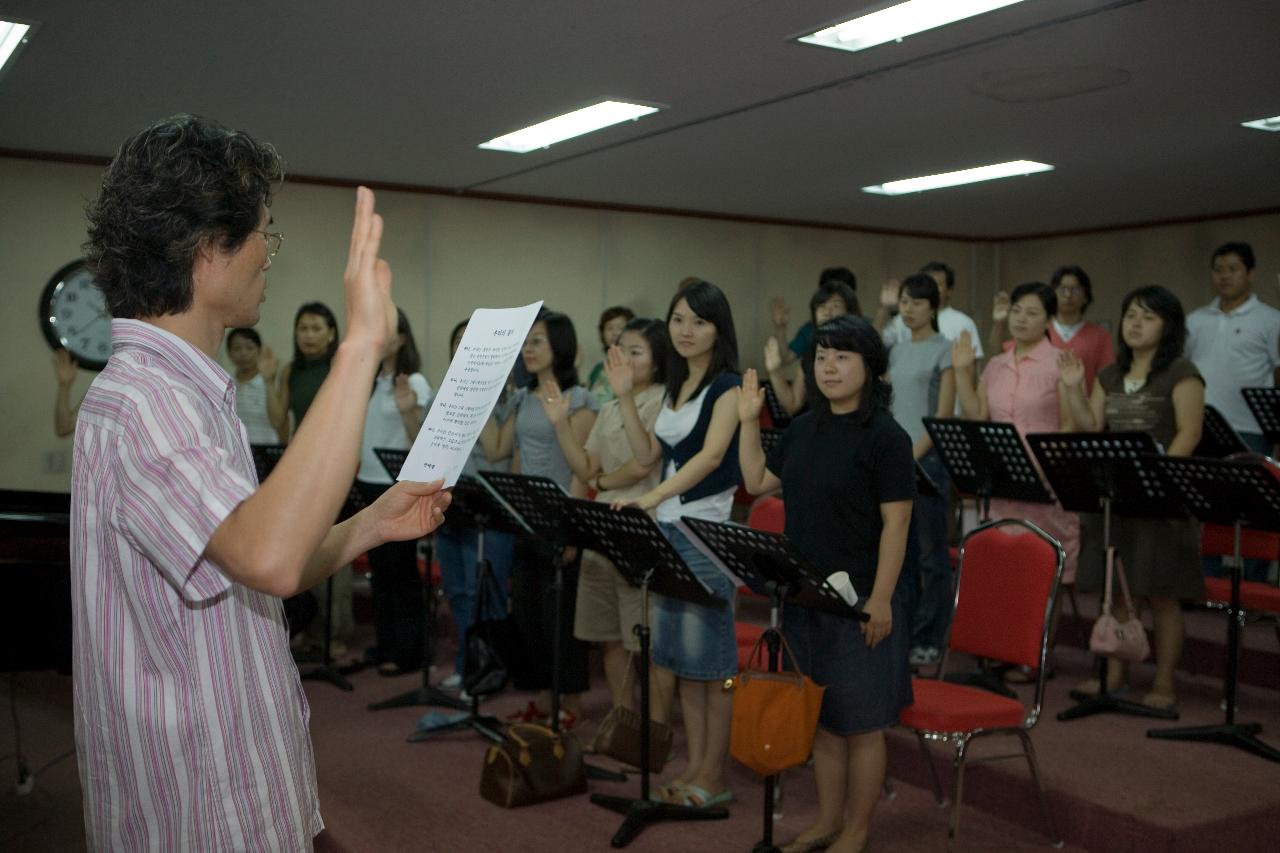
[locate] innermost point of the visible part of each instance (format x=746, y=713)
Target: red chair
x=1007, y=587
x=1258, y=601
x=768, y=514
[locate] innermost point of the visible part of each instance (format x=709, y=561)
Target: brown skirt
x=1160, y=556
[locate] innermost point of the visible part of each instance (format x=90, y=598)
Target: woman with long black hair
x=695, y=438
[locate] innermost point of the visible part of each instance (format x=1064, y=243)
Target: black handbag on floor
x=493, y=648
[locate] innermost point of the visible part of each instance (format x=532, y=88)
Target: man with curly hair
x=191, y=723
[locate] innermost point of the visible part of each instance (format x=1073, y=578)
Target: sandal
x=1159, y=701
x=1089, y=687
x=695, y=797
x=812, y=845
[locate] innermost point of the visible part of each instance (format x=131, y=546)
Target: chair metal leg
x=1030, y=752
x=933, y=771
x=957, y=787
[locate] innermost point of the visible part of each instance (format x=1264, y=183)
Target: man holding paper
x=191, y=724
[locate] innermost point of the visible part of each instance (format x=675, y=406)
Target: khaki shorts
x=608, y=607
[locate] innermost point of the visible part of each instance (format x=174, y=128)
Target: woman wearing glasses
x=1069, y=330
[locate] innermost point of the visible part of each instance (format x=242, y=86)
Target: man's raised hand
x=371, y=315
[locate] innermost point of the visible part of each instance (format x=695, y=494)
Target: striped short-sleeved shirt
x=191, y=723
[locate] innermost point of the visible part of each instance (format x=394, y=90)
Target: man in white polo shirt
x=1234, y=342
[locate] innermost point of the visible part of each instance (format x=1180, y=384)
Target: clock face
x=73, y=315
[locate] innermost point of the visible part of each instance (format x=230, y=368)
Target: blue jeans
x=1254, y=570
x=457, y=551
x=936, y=591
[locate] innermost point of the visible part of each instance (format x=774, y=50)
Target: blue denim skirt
x=693, y=641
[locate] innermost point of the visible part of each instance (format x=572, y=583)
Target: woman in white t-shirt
x=263, y=415
x=397, y=408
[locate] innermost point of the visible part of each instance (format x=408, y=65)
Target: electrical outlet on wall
x=57, y=461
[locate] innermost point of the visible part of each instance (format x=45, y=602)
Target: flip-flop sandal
x=696, y=797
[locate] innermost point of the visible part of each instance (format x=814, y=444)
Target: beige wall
x=451, y=255
x=1176, y=256
x=448, y=257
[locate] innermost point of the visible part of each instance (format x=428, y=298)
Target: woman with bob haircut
x=549, y=353
x=695, y=438
x=846, y=469
x=1149, y=388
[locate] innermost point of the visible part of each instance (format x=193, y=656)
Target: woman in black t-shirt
x=846, y=472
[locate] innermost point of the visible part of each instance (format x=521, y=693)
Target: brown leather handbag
x=531, y=765
x=619, y=735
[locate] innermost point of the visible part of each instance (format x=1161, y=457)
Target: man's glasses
x=274, y=239
x=1070, y=289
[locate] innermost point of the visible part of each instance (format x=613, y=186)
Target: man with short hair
x=1234, y=342
x=191, y=723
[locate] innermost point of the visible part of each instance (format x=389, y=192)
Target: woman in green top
x=315, y=340
x=612, y=322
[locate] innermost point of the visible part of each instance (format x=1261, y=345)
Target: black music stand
x=781, y=417
x=1265, y=405
x=1111, y=472
x=1218, y=440
x=392, y=461
x=770, y=565
x=925, y=485
x=541, y=507
x=631, y=540
x=265, y=457
x=1241, y=494
x=769, y=438
x=474, y=507
x=987, y=459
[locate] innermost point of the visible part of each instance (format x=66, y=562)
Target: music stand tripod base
x=632, y=541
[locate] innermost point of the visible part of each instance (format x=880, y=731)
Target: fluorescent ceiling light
x=567, y=126
x=899, y=21
x=964, y=176
x=11, y=36
x=1272, y=124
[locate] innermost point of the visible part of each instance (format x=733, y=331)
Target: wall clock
x=74, y=316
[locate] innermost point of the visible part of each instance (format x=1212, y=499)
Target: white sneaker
x=924, y=656
x=453, y=682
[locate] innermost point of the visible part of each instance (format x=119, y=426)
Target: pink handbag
x=1112, y=638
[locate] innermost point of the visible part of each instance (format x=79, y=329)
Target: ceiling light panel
x=1271, y=124
x=1013, y=168
x=12, y=36
x=899, y=21
x=568, y=126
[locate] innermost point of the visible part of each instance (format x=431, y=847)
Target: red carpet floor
x=1113, y=789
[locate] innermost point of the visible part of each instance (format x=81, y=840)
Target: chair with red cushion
x=769, y=515
x=1259, y=601
x=1008, y=581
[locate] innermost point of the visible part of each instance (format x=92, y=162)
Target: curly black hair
x=183, y=182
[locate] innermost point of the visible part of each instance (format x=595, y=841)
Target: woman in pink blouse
x=1068, y=329
x=1023, y=386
